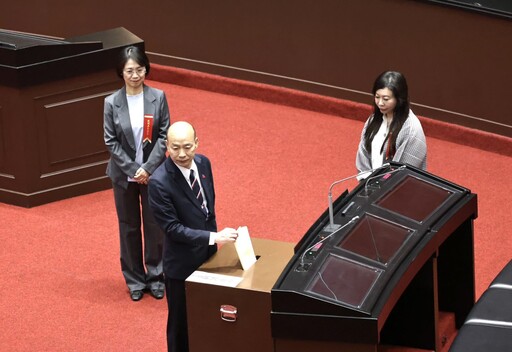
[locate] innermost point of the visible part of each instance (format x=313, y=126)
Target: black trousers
x=177, y=331
x=140, y=270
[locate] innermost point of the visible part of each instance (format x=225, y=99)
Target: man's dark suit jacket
x=178, y=212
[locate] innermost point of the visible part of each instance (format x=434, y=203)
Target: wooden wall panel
x=60, y=147
x=54, y=145
x=51, y=115
x=456, y=61
x=2, y=141
x=8, y=141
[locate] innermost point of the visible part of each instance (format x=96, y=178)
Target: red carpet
x=273, y=164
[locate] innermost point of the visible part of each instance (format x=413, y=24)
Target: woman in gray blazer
x=136, y=119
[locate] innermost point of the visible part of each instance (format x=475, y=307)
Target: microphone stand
x=374, y=177
x=354, y=219
x=331, y=227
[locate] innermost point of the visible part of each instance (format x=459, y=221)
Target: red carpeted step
x=323, y=104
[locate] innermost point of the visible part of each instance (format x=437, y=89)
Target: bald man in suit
x=184, y=208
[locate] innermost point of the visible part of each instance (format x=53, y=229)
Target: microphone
x=374, y=177
x=354, y=219
x=332, y=226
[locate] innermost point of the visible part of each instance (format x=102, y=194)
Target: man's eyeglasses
x=139, y=71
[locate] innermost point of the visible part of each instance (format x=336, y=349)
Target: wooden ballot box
x=226, y=318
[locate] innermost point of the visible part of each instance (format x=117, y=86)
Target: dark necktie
x=197, y=190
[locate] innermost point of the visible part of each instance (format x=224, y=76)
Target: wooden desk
x=51, y=114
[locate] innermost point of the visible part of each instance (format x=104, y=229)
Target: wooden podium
x=402, y=253
x=248, y=329
x=399, y=251
x=51, y=113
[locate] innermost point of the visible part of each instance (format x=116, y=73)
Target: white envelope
x=244, y=248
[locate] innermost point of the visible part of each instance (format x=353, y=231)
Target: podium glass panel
x=344, y=281
x=376, y=239
x=414, y=198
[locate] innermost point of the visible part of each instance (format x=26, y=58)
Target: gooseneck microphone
x=332, y=226
x=374, y=177
x=354, y=219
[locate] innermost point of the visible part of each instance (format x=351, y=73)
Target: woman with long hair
x=392, y=132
